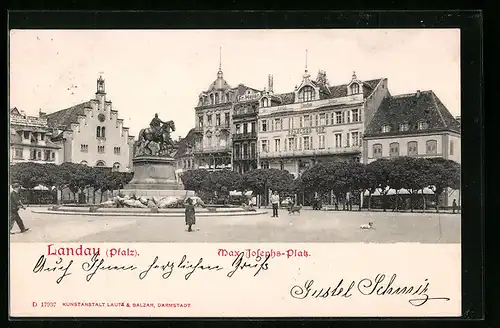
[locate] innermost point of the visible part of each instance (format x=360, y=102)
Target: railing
x=238, y=115
x=311, y=152
x=242, y=136
x=212, y=149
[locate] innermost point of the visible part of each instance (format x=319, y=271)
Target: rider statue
x=156, y=124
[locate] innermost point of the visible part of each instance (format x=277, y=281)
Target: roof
x=410, y=109
x=65, y=117
x=241, y=89
x=183, y=144
x=15, y=111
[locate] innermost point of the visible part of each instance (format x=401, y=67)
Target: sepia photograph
x=203, y=136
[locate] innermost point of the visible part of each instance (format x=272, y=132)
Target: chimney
x=418, y=93
x=270, y=83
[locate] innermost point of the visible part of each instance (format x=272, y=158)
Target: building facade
x=92, y=133
x=213, y=124
x=316, y=122
x=30, y=140
x=416, y=125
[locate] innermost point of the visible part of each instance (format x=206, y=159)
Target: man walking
x=275, y=201
x=15, y=205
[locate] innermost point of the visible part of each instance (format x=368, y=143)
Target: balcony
x=311, y=152
x=244, y=157
x=245, y=136
x=213, y=149
x=245, y=114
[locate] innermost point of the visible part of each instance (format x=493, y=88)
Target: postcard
x=235, y=173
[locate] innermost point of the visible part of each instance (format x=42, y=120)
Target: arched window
x=431, y=147
x=264, y=102
x=307, y=93
x=211, y=99
x=394, y=149
x=412, y=148
x=355, y=88
x=84, y=163
x=100, y=164
x=98, y=133
x=116, y=167
x=377, y=150
x=103, y=132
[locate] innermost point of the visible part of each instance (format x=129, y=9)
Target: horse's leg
x=147, y=146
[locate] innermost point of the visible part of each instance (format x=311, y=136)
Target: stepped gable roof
x=183, y=144
x=410, y=109
x=63, y=118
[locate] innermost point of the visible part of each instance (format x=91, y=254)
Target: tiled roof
x=241, y=89
x=65, y=117
x=189, y=139
x=411, y=109
x=287, y=98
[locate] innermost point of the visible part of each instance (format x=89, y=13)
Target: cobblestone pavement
x=309, y=226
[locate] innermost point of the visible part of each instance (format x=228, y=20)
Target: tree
x=195, y=179
x=396, y=177
x=359, y=179
x=415, y=177
x=443, y=173
x=280, y=181
x=256, y=181
x=28, y=174
x=378, y=175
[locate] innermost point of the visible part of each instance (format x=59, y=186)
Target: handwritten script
x=378, y=286
x=97, y=265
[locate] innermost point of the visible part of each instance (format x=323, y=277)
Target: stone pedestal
x=155, y=176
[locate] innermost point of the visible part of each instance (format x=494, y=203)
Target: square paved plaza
x=309, y=226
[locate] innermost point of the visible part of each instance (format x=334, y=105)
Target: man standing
x=15, y=205
x=275, y=201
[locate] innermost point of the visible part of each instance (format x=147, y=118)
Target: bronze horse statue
x=162, y=137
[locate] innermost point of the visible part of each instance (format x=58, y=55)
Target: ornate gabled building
x=213, y=123
x=184, y=156
x=92, y=133
x=415, y=124
x=316, y=122
x=30, y=140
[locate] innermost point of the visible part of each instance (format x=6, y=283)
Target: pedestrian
x=454, y=205
x=275, y=201
x=15, y=205
x=190, y=214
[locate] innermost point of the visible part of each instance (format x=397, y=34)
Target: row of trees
x=408, y=173
x=75, y=177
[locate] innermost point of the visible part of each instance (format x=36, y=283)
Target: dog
x=367, y=226
x=294, y=209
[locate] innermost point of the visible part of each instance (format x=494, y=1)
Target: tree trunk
x=370, y=202
x=102, y=192
x=437, y=201
x=93, y=198
x=396, y=202
x=423, y=197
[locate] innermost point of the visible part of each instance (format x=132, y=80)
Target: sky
x=164, y=71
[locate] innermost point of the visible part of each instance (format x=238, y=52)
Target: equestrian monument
x=154, y=165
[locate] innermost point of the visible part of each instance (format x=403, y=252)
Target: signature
x=377, y=286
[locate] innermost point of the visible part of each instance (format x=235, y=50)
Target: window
x=355, y=138
x=338, y=140
x=100, y=149
x=307, y=94
x=412, y=148
x=386, y=128
x=227, y=97
x=322, y=119
x=98, y=132
x=264, y=125
x=217, y=120
x=264, y=102
x=238, y=128
x=321, y=141
x=116, y=167
x=252, y=127
x=200, y=121
x=306, y=141
x=26, y=134
x=209, y=119
x=347, y=140
x=431, y=147
x=264, y=146
x=394, y=149
x=100, y=163
x=252, y=149
x=264, y=165
x=211, y=99
x=216, y=98
x=301, y=122
x=277, y=145
x=377, y=150
x=53, y=155
x=245, y=128
x=422, y=125
x=84, y=148
x=209, y=141
x=307, y=121
x=290, y=123
x=355, y=115
x=355, y=88
x=227, y=118
x=316, y=122
x=18, y=153
x=103, y=132
x=117, y=150
x=277, y=124
x=291, y=144
x=237, y=152
x=451, y=147
x=245, y=150
x=339, y=118
x=403, y=127
x=84, y=163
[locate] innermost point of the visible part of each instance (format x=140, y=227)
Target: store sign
x=249, y=97
x=318, y=129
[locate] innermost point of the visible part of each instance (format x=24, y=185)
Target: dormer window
x=264, y=102
x=355, y=88
x=403, y=127
x=422, y=125
x=307, y=93
x=211, y=99
x=386, y=128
